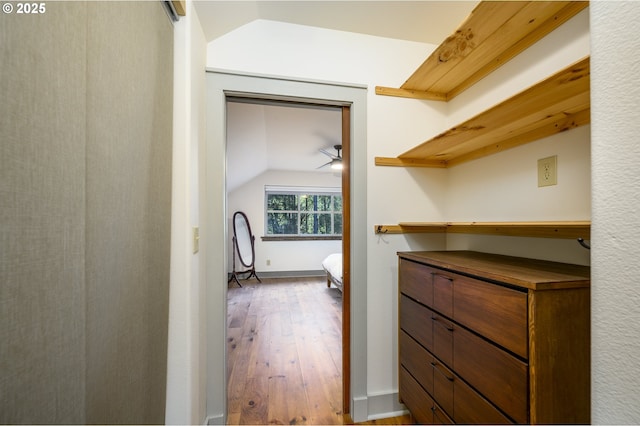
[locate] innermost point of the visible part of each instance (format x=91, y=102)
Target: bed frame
x=333, y=266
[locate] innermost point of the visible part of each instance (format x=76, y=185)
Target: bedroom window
x=303, y=212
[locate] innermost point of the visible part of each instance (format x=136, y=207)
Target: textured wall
x=615, y=297
x=42, y=215
x=129, y=123
x=85, y=181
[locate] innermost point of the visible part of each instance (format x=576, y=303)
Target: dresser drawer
x=416, y=281
x=499, y=376
x=442, y=293
x=415, y=319
x=433, y=375
x=507, y=338
x=443, y=380
x=496, y=312
x=471, y=408
x=419, y=402
x=415, y=398
x=417, y=360
x=442, y=338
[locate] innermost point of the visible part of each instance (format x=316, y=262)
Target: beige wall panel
x=42, y=189
x=85, y=181
x=129, y=147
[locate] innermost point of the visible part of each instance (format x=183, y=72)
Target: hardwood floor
x=284, y=352
x=284, y=363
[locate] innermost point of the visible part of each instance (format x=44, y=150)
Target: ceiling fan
x=336, y=160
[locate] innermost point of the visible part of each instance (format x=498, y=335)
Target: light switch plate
x=196, y=240
x=548, y=171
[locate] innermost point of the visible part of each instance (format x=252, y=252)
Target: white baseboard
x=385, y=405
x=377, y=406
x=215, y=420
x=293, y=274
x=359, y=409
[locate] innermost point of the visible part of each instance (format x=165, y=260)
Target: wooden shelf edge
x=457, y=64
x=411, y=162
x=547, y=229
x=551, y=23
x=560, y=125
x=411, y=94
x=492, y=125
x=412, y=229
x=180, y=6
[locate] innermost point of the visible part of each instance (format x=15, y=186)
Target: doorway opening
x=221, y=85
x=301, y=129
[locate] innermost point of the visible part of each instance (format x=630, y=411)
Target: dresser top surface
x=521, y=272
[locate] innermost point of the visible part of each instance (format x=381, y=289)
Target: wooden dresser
x=492, y=339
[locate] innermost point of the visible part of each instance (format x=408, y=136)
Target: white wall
x=186, y=366
x=615, y=88
x=284, y=256
x=500, y=187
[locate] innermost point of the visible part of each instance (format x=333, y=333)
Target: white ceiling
x=261, y=137
x=423, y=21
x=278, y=137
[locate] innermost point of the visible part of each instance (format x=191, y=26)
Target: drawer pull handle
x=435, y=274
x=445, y=325
x=435, y=410
x=436, y=367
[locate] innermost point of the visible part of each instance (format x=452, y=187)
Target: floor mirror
x=243, y=249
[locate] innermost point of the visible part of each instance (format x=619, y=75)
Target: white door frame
x=214, y=227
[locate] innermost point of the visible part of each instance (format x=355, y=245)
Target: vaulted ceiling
x=266, y=137
x=422, y=21
x=271, y=136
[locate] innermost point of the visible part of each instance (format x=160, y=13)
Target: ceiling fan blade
x=324, y=165
x=327, y=153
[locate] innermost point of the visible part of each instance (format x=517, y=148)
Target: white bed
x=333, y=265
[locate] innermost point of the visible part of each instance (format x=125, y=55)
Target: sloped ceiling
x=262, y=137
x=421, y=21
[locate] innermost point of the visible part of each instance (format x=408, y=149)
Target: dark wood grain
x=561, y=353
x=496, y=312
x=501, y=377
x=415, y=398
x=471, y=408
x=417, y=360
x=416, y=282
x=519, y=333
x=443, y=380
x=442, y=293
x=416, y=320
x=526, y=273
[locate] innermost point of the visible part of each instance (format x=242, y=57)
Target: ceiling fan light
x=336, y=164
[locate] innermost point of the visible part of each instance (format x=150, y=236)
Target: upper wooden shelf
x=559, y=103
x=494, y=32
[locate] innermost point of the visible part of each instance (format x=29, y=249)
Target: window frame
x=298, y=191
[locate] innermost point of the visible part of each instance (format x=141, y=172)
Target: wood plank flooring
x=284, y=362
x=284, y=352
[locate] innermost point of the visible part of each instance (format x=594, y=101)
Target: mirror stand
x=235, y=274
x=243, y=247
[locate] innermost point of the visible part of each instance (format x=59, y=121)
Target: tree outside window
x=303, y=213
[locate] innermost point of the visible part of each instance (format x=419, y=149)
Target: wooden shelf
x=493, y=33
x=562, y=229
x=559, y=103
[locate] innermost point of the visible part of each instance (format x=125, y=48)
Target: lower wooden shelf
x=564, y=229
